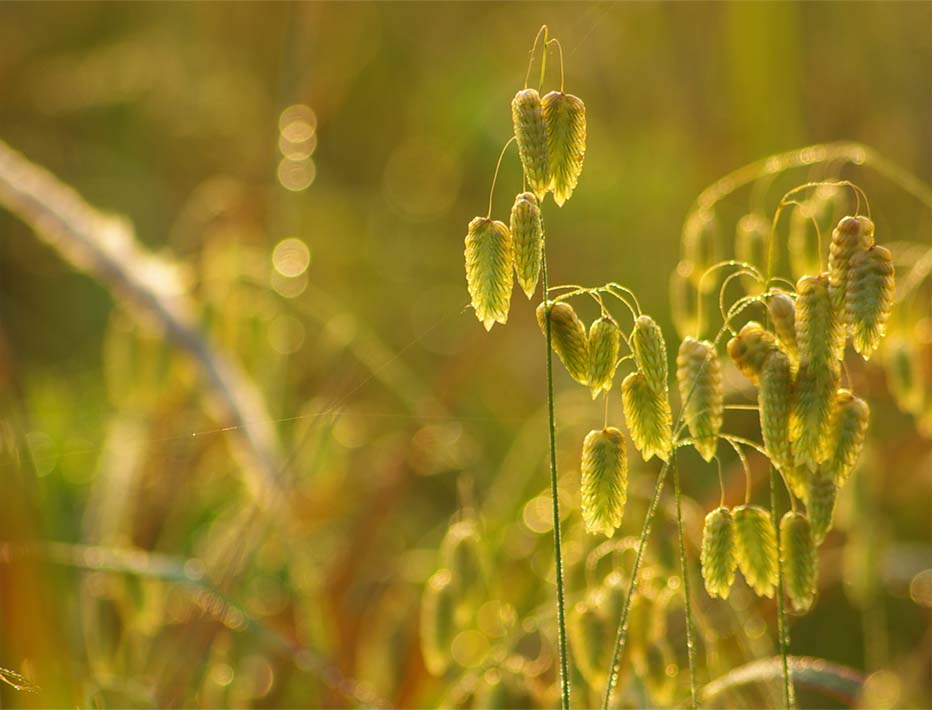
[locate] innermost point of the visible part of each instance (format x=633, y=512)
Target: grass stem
x=684, y=567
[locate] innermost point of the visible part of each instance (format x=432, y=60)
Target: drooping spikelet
x=489, y=259
x=604, y=344
x=869, y=297
x=846, y=435
x=852, y=234
x=565, y=116
x=782, y=311
x=699, y=376
x=527, y=114
x=750, y=348
x=718, y=553
x=568, y=338
x=701, y=247
x=803, y=239
x=752, y=239
x=820, y=502
x=756, y=548
x=799, y=560
x=438, y=621
x=817, y=335
x=776, y=404
x=604, y=480
x=647, y=413
x=527, y=233
x=650, y=352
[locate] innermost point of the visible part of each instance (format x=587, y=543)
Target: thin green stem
x=684, y=567
x=554, y=494
x=782, y=630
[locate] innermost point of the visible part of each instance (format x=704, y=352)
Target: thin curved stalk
x=782, y=630
x=684, y=569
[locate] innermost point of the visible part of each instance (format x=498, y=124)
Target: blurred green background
x=369, y=134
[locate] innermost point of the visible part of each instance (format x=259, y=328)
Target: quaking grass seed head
x=799, y=560
x=803, y=240
x=820, y=502
x=527, y=234
x=568, y=338
x=869, y=297
x=647, y=413
x=750, y=348
x=850, y=235
x=820, y=335
x=699, y=376
x=813, y=408
x=846, y=436
x=684, y=300
x=701, y=247
x=782, y=312
x=604, y=480
x=530, y=128
x=604, y=345
x=565, y=117
x=489, y=259
x=650, y=352
x=756, y=548
x=718, y=553
x=776, y=405
x=752, y=240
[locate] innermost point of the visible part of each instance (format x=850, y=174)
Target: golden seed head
x=568, y=339
x=756, y=548
x=846, y=435
x=869, y=297
x=701, y=247
x=803, y=239
x=820, y=335
x=813, y=406
x=782, y=311
x=776, y=405
x=752, y=239
x=604, y=480
x=604, y=345
x=565, y=116
x=750, y=348
x=438, y=621
x=650, y=352
x=647, y=413
x=699, y=376
x=820, y=502
x=799, y=560
x=527, y=115
x=718, y=553
x=852, y=234
x=527, y=234
x=489, y=259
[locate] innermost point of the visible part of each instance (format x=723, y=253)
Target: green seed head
x=756, y=548
x=701, y=247
x=813, y=407
x=604, y=344
x=527, y=233
x=699, y=376
x=820, y=335
x=799, y=560
x=782, y=311
x=489, y=259
x=604, y=480
x=650, y=352
x=776, y=405
x=846, y=435
x=527, y=114
x=869, y=297
x=565, y=116
x=718, y=553
x=820, y=503
x=752, y=239
x=750, y=348
x=647, y=413
x=568, y=338
x=803, y=240
x=852, y=234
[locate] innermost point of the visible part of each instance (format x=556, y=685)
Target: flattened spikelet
x=489, y=259
x=438, y=625
x=812, y=414
x=869, y=297
x=527, y=233
x=650, y=352
x=565, y=116
x=750, y=348
x=604, y=480
x=799, y=560
x=846, y=436
x=527, y=115
x=803, y=240
x=699, y=376
x=852, y=234
x=782, y=311
x=776, y=404
x=604, y=344
x=752, y=239
x=819, y=333
x=756, y=548
x=718, y=553
x=820, y=503
x=568, y=338
x=647, y=413
x=701, y=247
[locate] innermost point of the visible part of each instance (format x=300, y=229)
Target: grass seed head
x=701, y=247
x=846, y=436
x=438, y=621
x=820, y=335
x=568, y=338
x=650, y=352
x=803, y=239
x=647, y=413
x=752, y=239
x=684, y=300
x=852, y=234
x=489, y=259
x=527, y=234
x=799, y=560
x=718, y=553
x=604, y=480
x=813, y=408
x=776, y=405
x=604, y=345
x=820, y=502
x=527, y=114
x=782, y=311
x=750, y=348
x=699, y=375
x=565, y=116
x=756, y=548
x=869, y=297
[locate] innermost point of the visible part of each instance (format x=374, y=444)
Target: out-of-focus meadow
x=308, y=171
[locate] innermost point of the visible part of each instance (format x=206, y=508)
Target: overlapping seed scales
x=438, y=621
x=756, y=548
x=489, y=259
x=650, y=352
x=699, y=376
x=846, y=437
x=799, y=560
x=775, y=399
x=527, y=234
x=565, y=116
x=701, y=247
x=797, y=478
x=647, y=413
x=869, y=297
x=811, y=420
x=604, y=480
x=568, y=339
x=819, y=333
x=527, y=115
x=850, y=235
x=803, y=239
x=588, y=632
x=604, y=345
x=782, y=311
x=718, y=553
x=820, y=502
x=750, y=348
x=752, y=239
